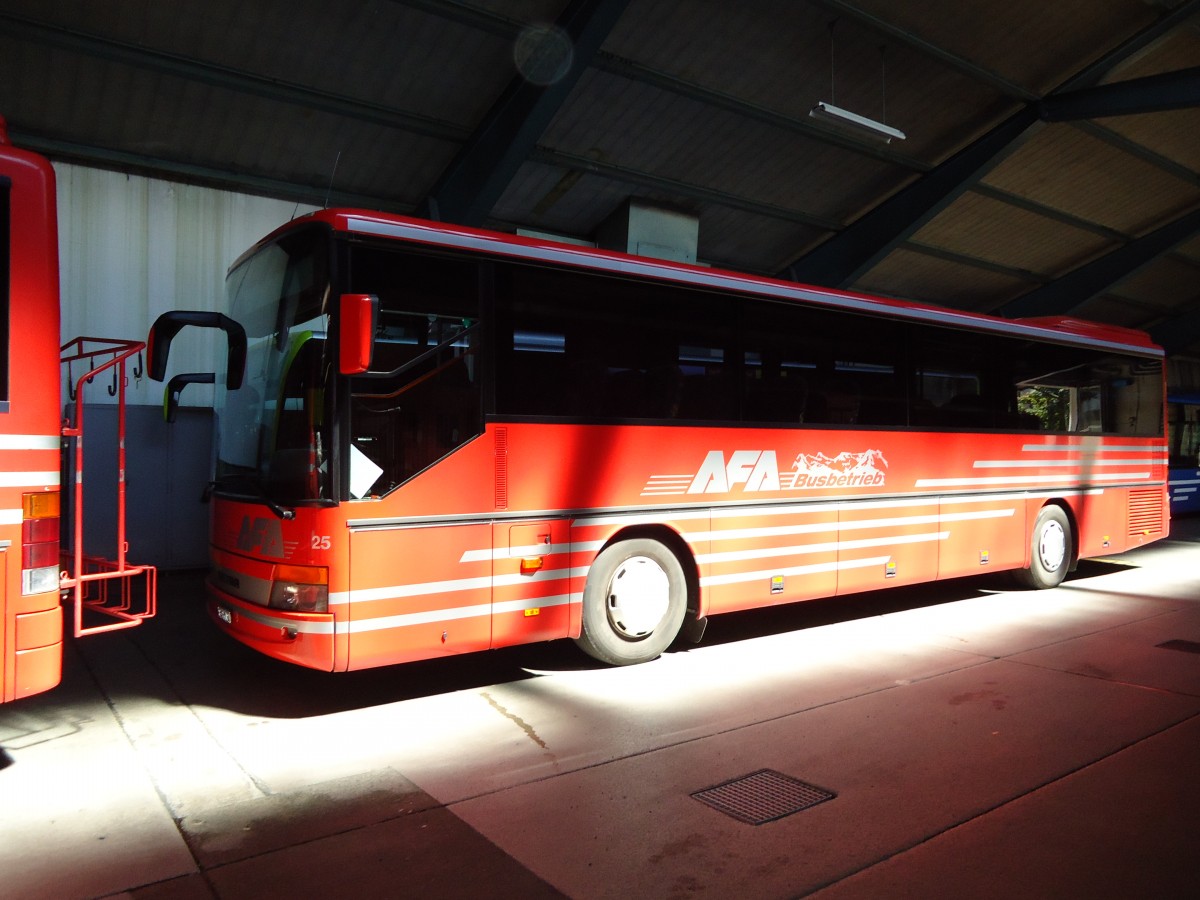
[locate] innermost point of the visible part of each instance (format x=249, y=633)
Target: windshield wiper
x=248, y=487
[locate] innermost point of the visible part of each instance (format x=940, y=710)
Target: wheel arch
x=673, y=541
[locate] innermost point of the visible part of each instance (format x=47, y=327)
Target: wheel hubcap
x=1052, y=546
x=638, y=597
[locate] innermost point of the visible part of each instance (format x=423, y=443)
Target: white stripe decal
x=1092, y=448
x=794, y=570
x=30, y=442
x=771, y=552
x=1024, y=479
x=478, y=556
x=12, y=516
x=1046, y=463
x=28, y=479
x=462, y=612
x=454, y=586
x=817, y=527
x=804, y=508
x=492, y=553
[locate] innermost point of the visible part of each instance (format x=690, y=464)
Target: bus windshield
x=274, y=430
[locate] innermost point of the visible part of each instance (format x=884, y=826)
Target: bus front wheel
x=633, y=603
x=1050, y=550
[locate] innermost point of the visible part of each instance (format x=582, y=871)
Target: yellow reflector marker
x=302, y=574
x=532, y=612
x=531, y=564
x=42, y=505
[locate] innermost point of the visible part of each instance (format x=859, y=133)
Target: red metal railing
x=89, y=578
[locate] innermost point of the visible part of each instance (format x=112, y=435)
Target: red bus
x=31, y=435
x=448, y=440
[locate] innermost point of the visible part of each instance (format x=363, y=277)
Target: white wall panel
x=133, y=247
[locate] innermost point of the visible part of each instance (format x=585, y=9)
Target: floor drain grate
x=1185, y=646
x=763, y=796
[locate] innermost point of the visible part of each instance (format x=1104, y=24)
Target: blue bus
x=1183, y=411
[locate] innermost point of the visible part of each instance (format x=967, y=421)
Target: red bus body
x=36, y=571
x=31, y=637
x=491, y=545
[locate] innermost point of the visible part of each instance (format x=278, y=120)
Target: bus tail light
x=39, y=542
x=300, y=589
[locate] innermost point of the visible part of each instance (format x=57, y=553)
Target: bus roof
x=1060, y=329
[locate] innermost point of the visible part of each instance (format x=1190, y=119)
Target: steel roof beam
x=1154, y=93
x=485, y=165
x=844, y=258
x=1063, y=295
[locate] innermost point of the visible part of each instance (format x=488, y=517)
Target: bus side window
x=423, y=396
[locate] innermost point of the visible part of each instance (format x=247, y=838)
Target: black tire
x=633, y=603
x=1050, y=550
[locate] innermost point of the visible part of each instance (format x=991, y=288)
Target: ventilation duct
x=643, y=229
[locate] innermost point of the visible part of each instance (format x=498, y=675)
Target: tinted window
x=422, y=398
x=579, y=345
x=587, y=346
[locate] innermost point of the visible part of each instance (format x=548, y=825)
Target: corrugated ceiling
x=698, y=104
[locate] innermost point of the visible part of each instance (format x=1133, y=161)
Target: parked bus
x=37, y=566
x=1183, y=429
x=448, y=440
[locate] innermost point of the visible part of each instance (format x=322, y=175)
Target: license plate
x=224, y=615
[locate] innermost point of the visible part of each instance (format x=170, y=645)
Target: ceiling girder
x=1143, y=40
x=842, y=259
x=845, y=257
x=485, y=165
x=1063, y=295
x=1154, y=93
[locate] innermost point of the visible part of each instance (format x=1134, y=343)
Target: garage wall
x=131, y=248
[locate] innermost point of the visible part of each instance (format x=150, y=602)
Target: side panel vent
x=501, y=468
x=1146, y=512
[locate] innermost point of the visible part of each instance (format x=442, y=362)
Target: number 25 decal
x=320, y=542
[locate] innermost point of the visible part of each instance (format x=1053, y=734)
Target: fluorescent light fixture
x=842, y=118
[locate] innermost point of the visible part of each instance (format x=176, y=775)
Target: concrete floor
x=981, y=742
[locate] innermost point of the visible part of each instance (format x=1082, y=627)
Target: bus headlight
x=300, y=589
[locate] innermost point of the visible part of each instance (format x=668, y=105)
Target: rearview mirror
x=359, y=314
x=175, y=387
x=169, y=324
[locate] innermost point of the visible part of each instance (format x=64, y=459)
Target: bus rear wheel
x=633, y=603
x=1050, y=550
